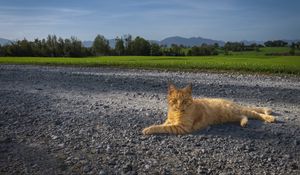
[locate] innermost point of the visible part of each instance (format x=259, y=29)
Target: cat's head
x=179, y=99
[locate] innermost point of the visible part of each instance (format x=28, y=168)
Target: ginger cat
x=186, y=114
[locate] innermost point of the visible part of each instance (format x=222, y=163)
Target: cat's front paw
x=147, y=131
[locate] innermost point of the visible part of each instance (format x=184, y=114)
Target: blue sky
x=229, y=20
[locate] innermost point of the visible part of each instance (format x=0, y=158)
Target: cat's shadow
x=254, y=130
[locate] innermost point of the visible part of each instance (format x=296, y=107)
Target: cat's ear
x=189, y=88
x=171, y=87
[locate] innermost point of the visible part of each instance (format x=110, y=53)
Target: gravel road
x=67, y=120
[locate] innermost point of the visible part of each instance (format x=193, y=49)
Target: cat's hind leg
x=259, y=116
x=268, y=118
x=267, y=111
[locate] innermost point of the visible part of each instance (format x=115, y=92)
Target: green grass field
x=239, y=61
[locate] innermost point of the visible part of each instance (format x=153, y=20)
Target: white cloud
x=26, y=16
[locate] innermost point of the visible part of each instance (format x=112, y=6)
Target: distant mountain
x=4, y=41
x=194, y=41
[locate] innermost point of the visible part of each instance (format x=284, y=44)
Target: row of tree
x=280, y=43
x=126, y=45
x=50, y=47
x=295, y=45
x=139, y=46
x=203, y=50
x=239, y=46
x=276, y=43
x=59, y=47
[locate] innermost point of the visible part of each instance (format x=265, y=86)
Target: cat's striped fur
x=186, y=114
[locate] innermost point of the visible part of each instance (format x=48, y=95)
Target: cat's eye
x=185, y=101
x=174, y=101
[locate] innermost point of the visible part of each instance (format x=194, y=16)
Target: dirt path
x=89, y=121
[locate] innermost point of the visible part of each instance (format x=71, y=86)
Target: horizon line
x=220, y=40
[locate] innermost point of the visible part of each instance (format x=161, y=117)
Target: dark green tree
x=140, y=46
x=216, y=45
x=203, y=50
x=298, y=45
x=292, y=49
x=51, y=45
x=276, y=43
x=155, y=50
x=119, y=47
x=176, y=50
x=128, y=44
x=76, y=48
x=60, y=47
x=101, y=46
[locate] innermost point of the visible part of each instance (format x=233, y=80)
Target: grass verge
x=243, y=63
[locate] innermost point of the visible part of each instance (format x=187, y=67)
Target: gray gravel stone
x=72, y=120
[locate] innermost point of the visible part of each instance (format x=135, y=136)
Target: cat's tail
x=262, y=114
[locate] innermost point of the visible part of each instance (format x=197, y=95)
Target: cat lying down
x=186, y=114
